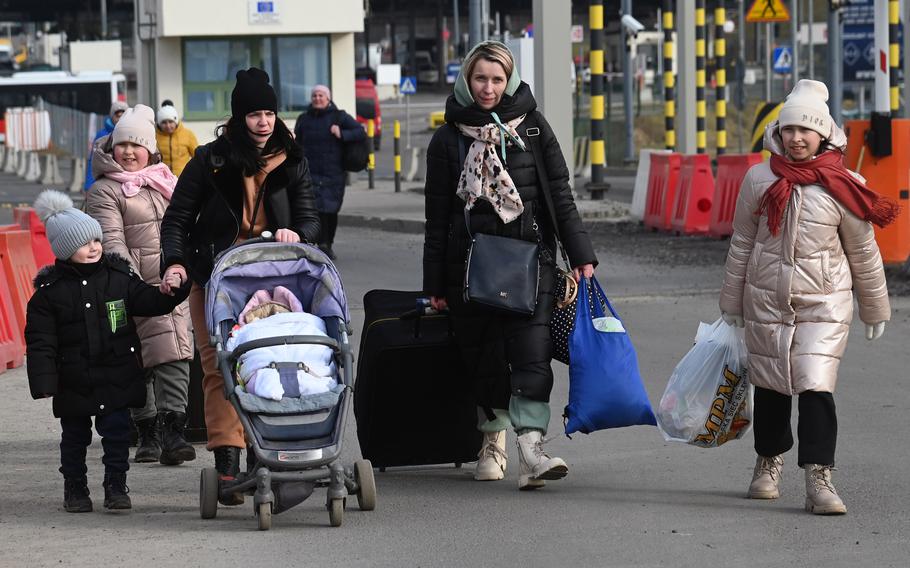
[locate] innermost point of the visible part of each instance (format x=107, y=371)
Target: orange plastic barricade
x=694, y=192
x=731, y=169
x=41, y=247
x=890, y=176
x=661, y=190
x=12, y=346
x=19, y=266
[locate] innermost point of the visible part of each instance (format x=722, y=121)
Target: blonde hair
x=491, y=51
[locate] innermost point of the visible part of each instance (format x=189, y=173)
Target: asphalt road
x=630, y=499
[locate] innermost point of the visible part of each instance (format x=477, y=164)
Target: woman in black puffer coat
x=508, y=355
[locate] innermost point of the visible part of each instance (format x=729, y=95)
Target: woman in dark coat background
x=252, y=178
x=322, y=131
x=508, y=355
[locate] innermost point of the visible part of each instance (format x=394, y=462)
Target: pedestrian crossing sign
x=408, y=85
x=782, y=60
x=768, y=11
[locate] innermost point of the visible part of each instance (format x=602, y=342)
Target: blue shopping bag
x=605, y=386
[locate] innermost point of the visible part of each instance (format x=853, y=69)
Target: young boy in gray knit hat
x=82, y=346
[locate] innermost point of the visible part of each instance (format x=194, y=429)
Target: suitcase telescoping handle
x=422, y=310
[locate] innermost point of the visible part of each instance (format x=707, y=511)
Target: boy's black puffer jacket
x=81, y=344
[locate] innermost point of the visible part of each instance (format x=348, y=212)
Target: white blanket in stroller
x=316, y=366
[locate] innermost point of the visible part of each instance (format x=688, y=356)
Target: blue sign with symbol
x=452, y=70
x=783, y=60
x=408, y=85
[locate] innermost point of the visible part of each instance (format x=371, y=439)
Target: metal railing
x=72, y=131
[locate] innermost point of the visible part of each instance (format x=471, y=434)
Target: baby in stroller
x=277, y=371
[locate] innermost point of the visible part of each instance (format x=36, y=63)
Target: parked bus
x=86, y=91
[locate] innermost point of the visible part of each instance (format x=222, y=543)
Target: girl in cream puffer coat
x=803, y=244
x=131, y=192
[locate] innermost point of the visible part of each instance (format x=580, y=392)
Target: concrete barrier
x=78, y=180
x=51, y=172
x=33, y=171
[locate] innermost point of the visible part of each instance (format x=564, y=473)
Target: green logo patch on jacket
x=116, y=314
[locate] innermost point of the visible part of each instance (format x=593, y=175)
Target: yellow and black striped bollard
x=397, y=149
x=669, y=80
x=894, y=54
x=598, y=151
x=701, y=139
x=371, y=162
x=720, y=58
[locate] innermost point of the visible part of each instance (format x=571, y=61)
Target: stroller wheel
x=265, y=516
x=366, y=494
x=336, y=511
x=208, y=493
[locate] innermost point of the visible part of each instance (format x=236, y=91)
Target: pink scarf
x=158, y=177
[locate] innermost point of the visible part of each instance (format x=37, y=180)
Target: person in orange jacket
x=176, y=142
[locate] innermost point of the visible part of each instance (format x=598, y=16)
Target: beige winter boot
x=491, y=461
x=821, y=497
x=535, y=466
x=766, y=478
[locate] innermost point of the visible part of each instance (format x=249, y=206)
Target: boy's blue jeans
x=114, y=429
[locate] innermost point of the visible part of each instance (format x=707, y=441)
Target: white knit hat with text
x=806, y=106
x=137, y=125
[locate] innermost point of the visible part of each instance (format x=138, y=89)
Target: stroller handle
x=285, y=340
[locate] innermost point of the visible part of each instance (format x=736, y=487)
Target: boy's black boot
x=148, y=448
x=174, y=448
x=115, y=492
x=227, y=462
x=75, y=495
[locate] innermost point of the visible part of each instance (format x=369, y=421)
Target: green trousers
x=523, y=414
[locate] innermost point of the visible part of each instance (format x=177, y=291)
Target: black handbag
x=354, y=155
x=501, y=273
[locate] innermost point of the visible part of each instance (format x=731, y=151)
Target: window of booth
x=295, y=65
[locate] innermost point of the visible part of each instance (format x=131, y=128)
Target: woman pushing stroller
x=252, y=178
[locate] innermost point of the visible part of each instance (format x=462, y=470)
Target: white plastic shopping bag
x=708, y=400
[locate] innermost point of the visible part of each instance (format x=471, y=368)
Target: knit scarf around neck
x=828, y=171
x=158, y=176
x=484, y=175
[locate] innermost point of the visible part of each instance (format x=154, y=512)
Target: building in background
x=189, y=52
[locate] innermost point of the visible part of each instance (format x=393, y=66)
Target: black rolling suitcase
x=412, y=399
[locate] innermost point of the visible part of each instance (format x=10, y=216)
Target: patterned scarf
x=484, y=175
x=828, y=171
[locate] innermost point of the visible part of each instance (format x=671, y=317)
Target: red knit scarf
x=828, y=171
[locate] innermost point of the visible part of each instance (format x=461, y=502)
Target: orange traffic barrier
x=661, y=190
x=12, y=346
x=694, y=192
x=41, y=247
x=731, y=169
x=890, y=176
x=19, y=266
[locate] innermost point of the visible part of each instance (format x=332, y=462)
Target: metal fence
x=72, y=131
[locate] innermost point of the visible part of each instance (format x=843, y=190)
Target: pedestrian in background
x=322, y=131
x=117, y=110
x=132, y=189
x=83, y=349
x=252, y=178
x=176, y=142
x=480, y=161
x=802, y=245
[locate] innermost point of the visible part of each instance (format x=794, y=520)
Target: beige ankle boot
x=535, y=465
x=821, y=497
x=491, y=461
x=766, y=478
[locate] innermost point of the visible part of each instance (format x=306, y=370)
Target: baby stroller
x=294, y=443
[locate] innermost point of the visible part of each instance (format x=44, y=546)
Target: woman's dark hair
x=245, y=156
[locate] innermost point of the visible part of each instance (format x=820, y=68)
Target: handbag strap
x=544, y=182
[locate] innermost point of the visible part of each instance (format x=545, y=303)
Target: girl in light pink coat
x=803, y=244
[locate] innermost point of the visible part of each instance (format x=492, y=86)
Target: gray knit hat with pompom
x=68, y=229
